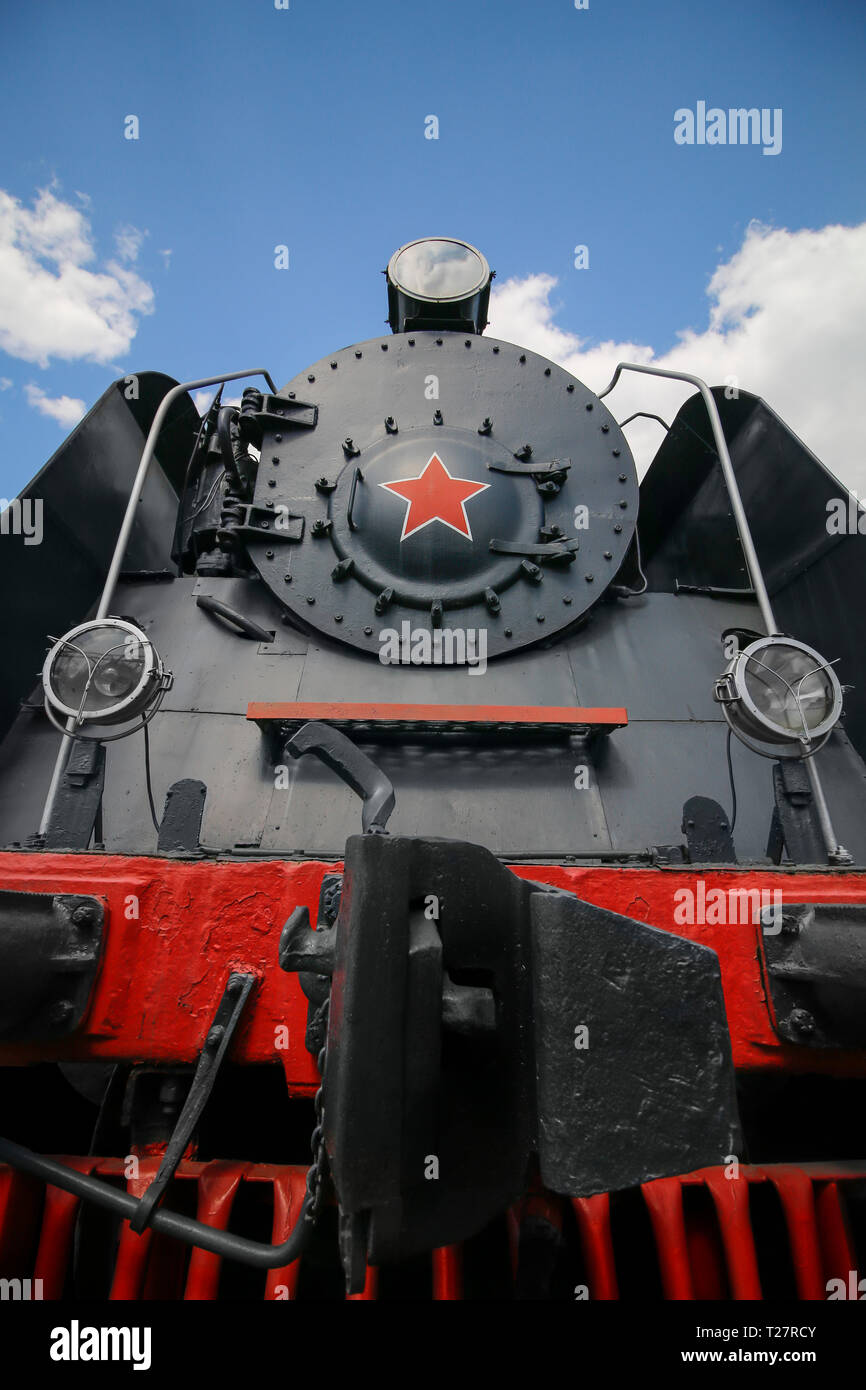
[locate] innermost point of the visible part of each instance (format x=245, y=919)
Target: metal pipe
x=836, y=854
x=743, y=529
x=122, y=542
x=170, y=1223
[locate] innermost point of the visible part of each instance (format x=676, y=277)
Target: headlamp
x=438, y=282
x=103, y=672
x=780, y=697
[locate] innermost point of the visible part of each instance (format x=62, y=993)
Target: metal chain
x=317, y=1172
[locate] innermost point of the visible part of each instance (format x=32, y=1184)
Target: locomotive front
x=541, y=1001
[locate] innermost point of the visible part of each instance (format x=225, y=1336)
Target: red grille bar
x=703, y=1237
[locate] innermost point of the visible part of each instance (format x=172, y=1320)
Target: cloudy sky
x=305, y=126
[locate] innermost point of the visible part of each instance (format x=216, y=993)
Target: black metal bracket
x=814, y=956
x=213, y=1053
x=261, y=412
x=79, y=797
x=264, y=523
x=795, y=822
x=180, y=827
x=707, y=831
x=50, y=944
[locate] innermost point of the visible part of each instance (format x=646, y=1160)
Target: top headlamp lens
x=439, y=269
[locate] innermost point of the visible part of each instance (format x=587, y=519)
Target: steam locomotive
x=433, y=863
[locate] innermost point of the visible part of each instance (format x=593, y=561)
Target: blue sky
x=305, y=127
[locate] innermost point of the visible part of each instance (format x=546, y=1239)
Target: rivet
x=617, y=528
x=539, y=617
x=269, y=554
x=589, y=578
x=616, y=453
x=570, y=386
x=368, y=632
x=411, y=344
x=338, y=617
x=279, y=439
x=468, y=342
x=272, y=482
x=508, y=632
x=384, y=347
x=311, y=377
x=622, y=477
x=567, y=599
x=310, y=598
x=589, y=405
x=438, y=342
x=275, y=458
x=522, y=357
x=607, y=555
x=623, y=503
x=287, y=578
x=358, y=353
x=605, y=428
x=269, y=504
x=547, y=371
x=291, y=395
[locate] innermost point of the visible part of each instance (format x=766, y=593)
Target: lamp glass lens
x=439, y=270
x=787, y=689
x=112, y=660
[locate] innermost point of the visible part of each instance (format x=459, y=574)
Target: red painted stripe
x=593, y=1219
x=289, y=1188
x=448, y=1273
x=797, y=1196
x=440, y=714
x=837, y=1244
x=370, y=1291
x=130, y=1268
x=55, y=1238
x=664, y=1202
x=731, y=1199
x=217, y=1189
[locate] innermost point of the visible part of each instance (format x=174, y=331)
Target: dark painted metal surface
x=815, y=962
x=50, y=946
x=635, y=1078
x=707, y=832
x=79, y=800
x=180, y=827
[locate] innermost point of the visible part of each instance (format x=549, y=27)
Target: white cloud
x=6, y=383
x=66, y=410
x=786, y=317
x=166, y=257
x=51, y=305
x=202, y=400
x=128, y=241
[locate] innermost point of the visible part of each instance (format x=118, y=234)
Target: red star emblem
x=435, y=496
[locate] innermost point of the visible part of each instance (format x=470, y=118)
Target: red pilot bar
x=549, y=718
